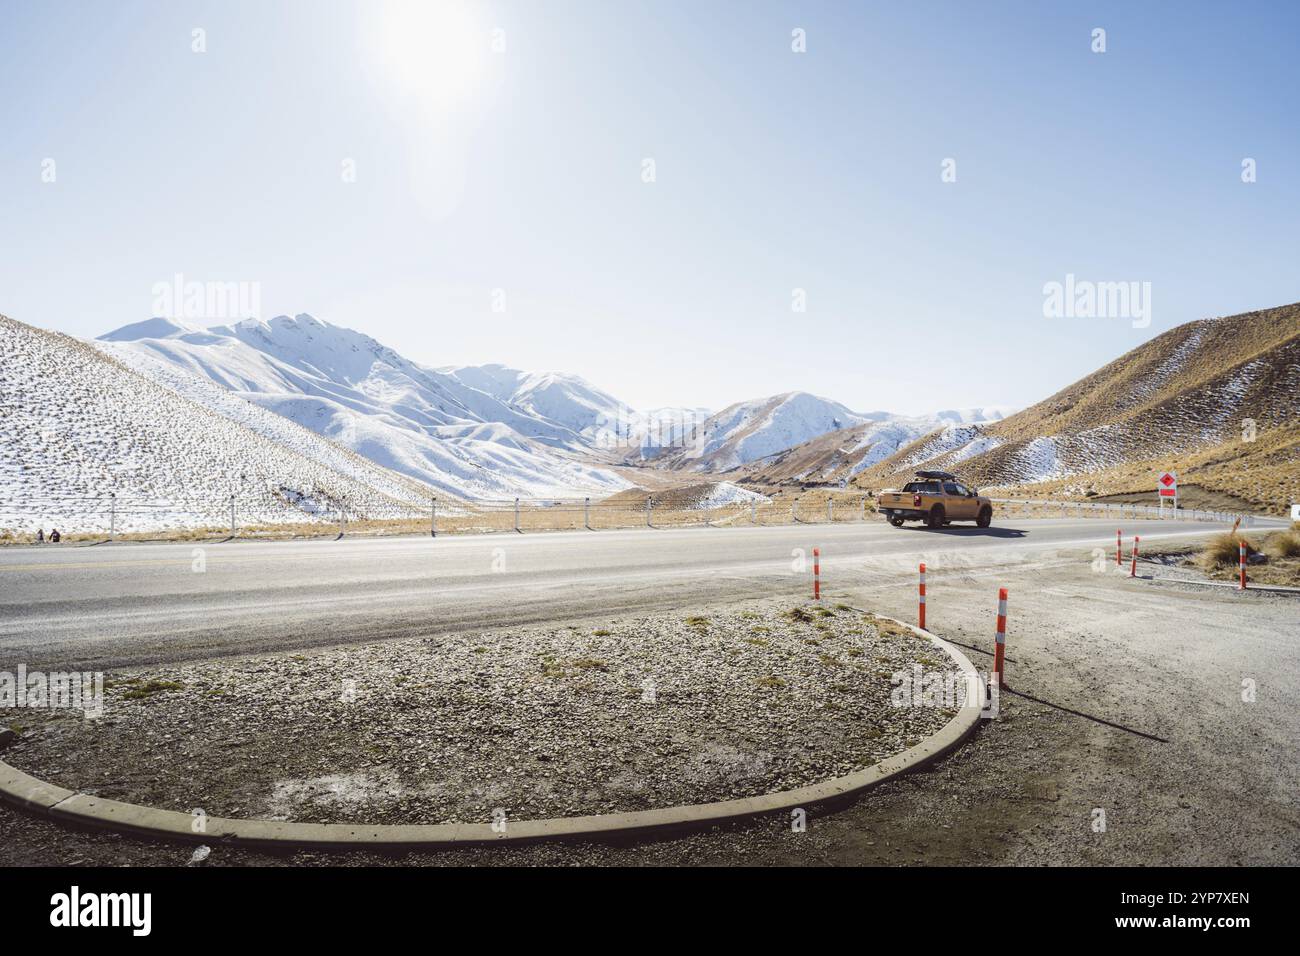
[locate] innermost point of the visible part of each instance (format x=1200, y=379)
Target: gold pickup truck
x=937, y=498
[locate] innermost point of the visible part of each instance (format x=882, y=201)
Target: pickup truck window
x=923, y=487
x=950, y=488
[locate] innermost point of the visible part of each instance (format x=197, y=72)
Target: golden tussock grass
x=1223, y=550
x=1284, y=544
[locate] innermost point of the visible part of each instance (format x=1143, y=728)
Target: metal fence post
x=232, y=515
x=829, y=515
x=794, y=510
x=586, y=513
x=433, y=516
x=517, y=515
x=648, y=500
x=112, y=514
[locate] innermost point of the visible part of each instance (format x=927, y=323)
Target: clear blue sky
x=522, y=171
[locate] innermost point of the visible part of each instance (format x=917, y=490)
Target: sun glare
x=434, y=48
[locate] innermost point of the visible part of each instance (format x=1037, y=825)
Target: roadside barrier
x=921, y=611
x=1047, y=508
x=999, y=651
x=817, y=574
x=1133, y=569
x=258, y=510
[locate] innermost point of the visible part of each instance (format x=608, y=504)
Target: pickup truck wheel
x=935, y=520
x=896, y=522
x=985, y=517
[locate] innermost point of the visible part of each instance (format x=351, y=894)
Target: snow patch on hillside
x=724, y=493
x=1039, y=460
x=948, y=439
x=977, y=446
x=883, y=439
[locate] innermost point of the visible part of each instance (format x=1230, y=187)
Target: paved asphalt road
x=118, y=605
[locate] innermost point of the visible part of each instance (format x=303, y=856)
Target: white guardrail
x=1120, y=509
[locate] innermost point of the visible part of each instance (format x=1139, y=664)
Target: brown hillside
x=1178, y=401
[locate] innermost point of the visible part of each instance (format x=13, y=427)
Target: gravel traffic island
x=529, y=722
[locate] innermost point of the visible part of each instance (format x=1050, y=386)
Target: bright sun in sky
x=432, y=48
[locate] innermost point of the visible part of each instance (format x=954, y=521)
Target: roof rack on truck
x=937, y=475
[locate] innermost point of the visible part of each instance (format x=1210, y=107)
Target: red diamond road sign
x=1168, y=485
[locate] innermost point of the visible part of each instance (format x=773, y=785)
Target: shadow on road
x=970, y=532
x=1092, y=717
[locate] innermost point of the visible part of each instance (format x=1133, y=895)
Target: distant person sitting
x=40, y=535
x=54, y=535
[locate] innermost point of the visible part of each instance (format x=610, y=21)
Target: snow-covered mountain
x=491, y=431
x=601, y=420
x=77, y=427
x=458, y=430
x=566, y=400
x=967, y=416
x=774, y=431
x=748, y=431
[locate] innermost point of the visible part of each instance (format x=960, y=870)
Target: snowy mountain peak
x=968, y=416
x=451, y=433
x=155, y=328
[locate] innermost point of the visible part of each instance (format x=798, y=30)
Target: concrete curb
x=82, y=809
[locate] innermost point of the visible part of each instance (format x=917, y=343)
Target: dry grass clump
x=1284, y=544
x=1281, y=564
x=1223, y=549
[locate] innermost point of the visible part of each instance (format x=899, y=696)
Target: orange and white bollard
x=817, y=574
x=999, y=667
x=921, y=608
x=1133, y=568
x=1241, y=562
x=1119, y=547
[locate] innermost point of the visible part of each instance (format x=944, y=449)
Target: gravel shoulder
x=534, y=722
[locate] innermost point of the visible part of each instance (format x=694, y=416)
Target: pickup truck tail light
x=916, y=501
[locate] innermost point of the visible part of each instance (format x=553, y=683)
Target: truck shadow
x=993, y=532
